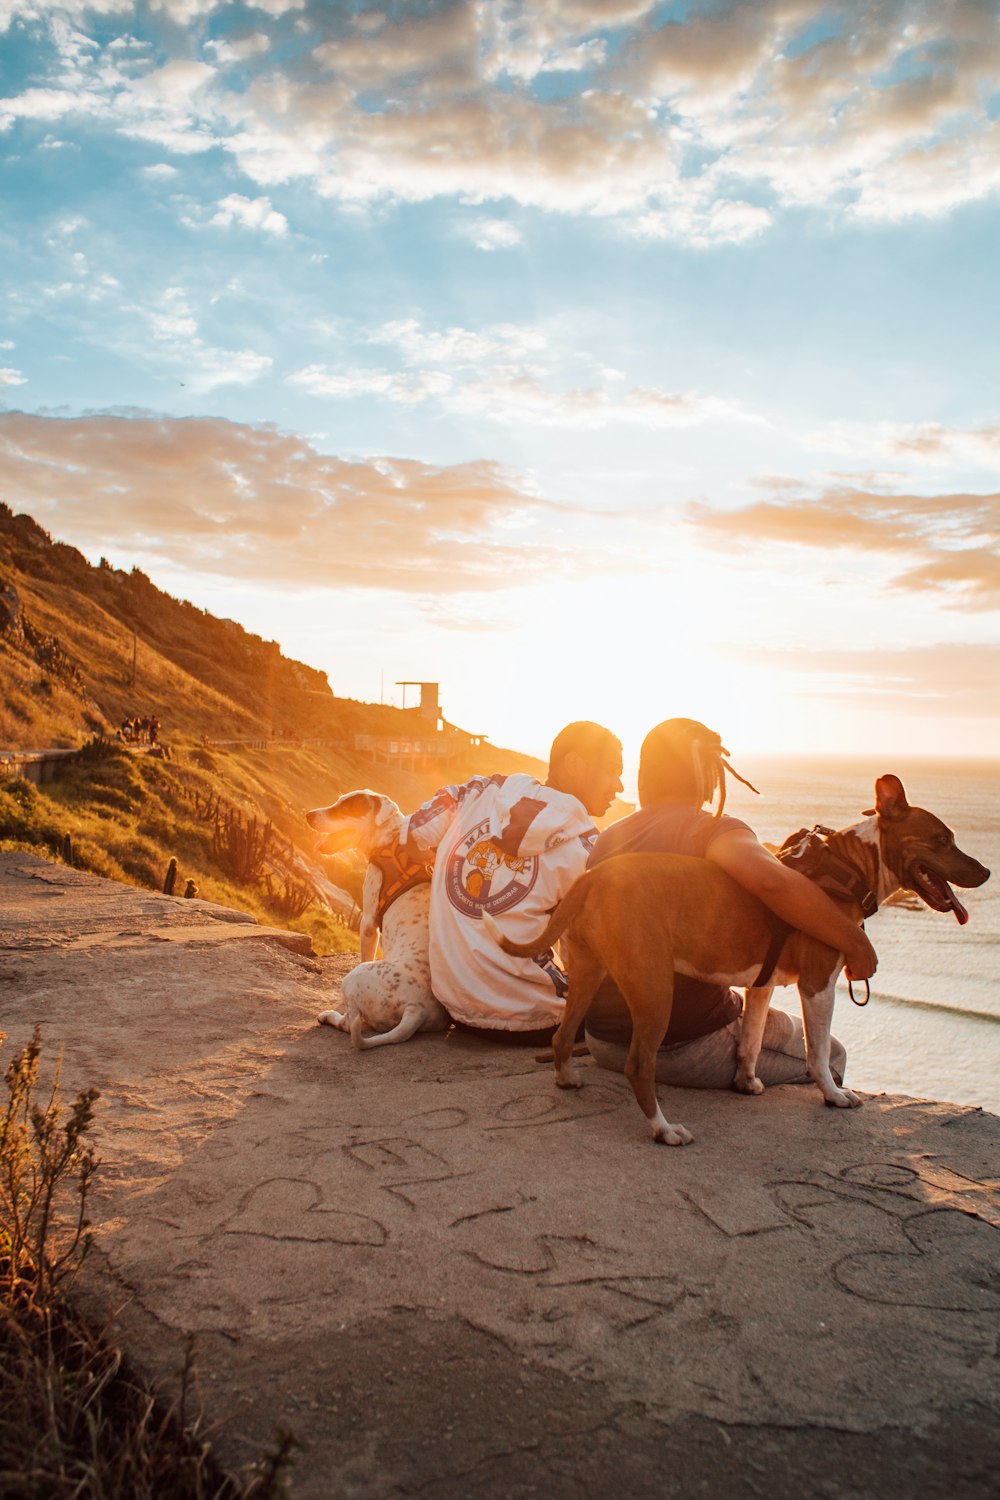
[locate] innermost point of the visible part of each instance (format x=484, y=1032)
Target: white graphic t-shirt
x=513, y=847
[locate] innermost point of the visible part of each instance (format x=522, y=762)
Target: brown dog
x=644, y=917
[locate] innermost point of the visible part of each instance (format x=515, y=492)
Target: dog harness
x=401, y=871
x=808, y=851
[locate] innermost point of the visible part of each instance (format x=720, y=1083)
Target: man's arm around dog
x=795, y=899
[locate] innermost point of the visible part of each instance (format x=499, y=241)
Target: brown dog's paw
x=844, y=1099
x=665, y=1134
x=569, y=1077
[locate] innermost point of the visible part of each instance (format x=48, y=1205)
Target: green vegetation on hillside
x=247, y=731
x=125, y=815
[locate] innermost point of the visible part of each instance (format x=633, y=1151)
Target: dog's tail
x=408, y=1025
x=560, y=919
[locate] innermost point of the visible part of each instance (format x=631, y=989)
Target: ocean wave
x=937, y=1006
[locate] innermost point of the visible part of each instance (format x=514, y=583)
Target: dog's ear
x=890, y=798
x=387, y=814
x=355, y=804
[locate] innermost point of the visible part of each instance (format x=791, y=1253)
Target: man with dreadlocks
x=683, y=766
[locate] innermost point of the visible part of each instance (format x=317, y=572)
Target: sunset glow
x=596, y=358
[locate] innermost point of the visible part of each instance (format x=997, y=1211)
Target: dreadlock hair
x=683, y=761
x=589, y=740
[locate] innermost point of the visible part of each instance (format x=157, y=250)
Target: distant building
x=430, y=705
x=433, y=744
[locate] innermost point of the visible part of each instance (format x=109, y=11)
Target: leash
x=850, y=988
x=779, y=932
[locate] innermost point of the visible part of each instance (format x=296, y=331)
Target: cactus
x=208, y=810
x=242, y=846
x=293, y=900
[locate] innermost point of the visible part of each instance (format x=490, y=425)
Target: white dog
x=391, y=995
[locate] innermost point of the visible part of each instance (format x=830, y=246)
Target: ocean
x=932, y=1026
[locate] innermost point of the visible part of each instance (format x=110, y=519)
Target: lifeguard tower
x=430, y=706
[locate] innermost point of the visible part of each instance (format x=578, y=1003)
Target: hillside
x=203, y=676
x=83, y=647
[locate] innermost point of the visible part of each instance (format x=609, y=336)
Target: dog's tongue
x=946, y=892
x=939, y=888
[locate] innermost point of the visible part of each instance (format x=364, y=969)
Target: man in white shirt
x=511, y=845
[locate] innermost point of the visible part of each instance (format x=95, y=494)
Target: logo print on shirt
x=481, y=877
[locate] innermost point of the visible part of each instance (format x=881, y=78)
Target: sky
x=601, y=359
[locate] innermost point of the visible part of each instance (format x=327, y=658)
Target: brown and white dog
x=644, y=917
x=392, y=995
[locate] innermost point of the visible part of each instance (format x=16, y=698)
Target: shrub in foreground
x=75, y=1421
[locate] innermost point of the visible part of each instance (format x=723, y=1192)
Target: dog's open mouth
x=335, y=842
x=935, y=890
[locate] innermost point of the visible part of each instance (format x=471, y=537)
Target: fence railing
x=38, y=766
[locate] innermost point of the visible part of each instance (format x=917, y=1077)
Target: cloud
x=492, y=234
x=348, y=385
x=9, y=376
x=457, y=345
x=260, y=505
x=957, y=678
x=952, y=540
x=694, y=223
x=934, y=441
x=519, y=397
x=440, y=49
x=173, y=326
x=525, y=41
x=170, y=105
x=238, y=49
x=161, y=331
x=278, y=8
x=506, y=373
x=698, y=129
x=251, y=213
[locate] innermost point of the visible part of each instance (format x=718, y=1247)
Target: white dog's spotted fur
x=391, y=996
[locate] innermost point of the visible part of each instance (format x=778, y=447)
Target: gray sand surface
x=449, y=1278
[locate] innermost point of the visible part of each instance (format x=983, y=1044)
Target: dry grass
x=75, y=1420
x=36, y=709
